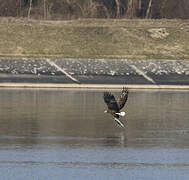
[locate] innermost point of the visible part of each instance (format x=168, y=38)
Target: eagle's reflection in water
x=120, y=140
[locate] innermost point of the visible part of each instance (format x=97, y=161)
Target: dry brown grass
x=95, y=38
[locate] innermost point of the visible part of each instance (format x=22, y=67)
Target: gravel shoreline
x=88, y=72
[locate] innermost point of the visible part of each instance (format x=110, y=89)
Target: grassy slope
x=95, y=38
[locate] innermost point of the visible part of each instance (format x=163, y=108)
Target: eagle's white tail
x=121, y=114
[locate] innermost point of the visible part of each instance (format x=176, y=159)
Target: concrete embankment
x=104, y=73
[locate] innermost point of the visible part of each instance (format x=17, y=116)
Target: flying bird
x=114, y=106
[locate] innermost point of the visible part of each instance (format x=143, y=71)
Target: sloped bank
x=95, y=38
x=85, y=72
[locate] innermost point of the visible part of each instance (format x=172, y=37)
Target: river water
x=64, y=134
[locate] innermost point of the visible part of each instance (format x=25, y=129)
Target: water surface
x=64, y=134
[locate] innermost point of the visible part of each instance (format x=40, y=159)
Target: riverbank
x=95, y=38
x=95, y=53
x=94, y=73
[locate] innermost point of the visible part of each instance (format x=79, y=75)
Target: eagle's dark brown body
x=114, y=106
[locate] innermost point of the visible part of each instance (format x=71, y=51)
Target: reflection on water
x=66, y=128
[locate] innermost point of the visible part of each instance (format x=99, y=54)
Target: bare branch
x=148, y=13
x=118, y=8
x=30, y=7
x=45, y=10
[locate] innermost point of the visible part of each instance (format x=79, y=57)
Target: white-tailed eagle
x=114, y=106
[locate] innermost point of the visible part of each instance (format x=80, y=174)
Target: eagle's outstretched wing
x=109, y=99
x=123, y=98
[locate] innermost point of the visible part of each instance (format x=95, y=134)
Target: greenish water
x=64, y=134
